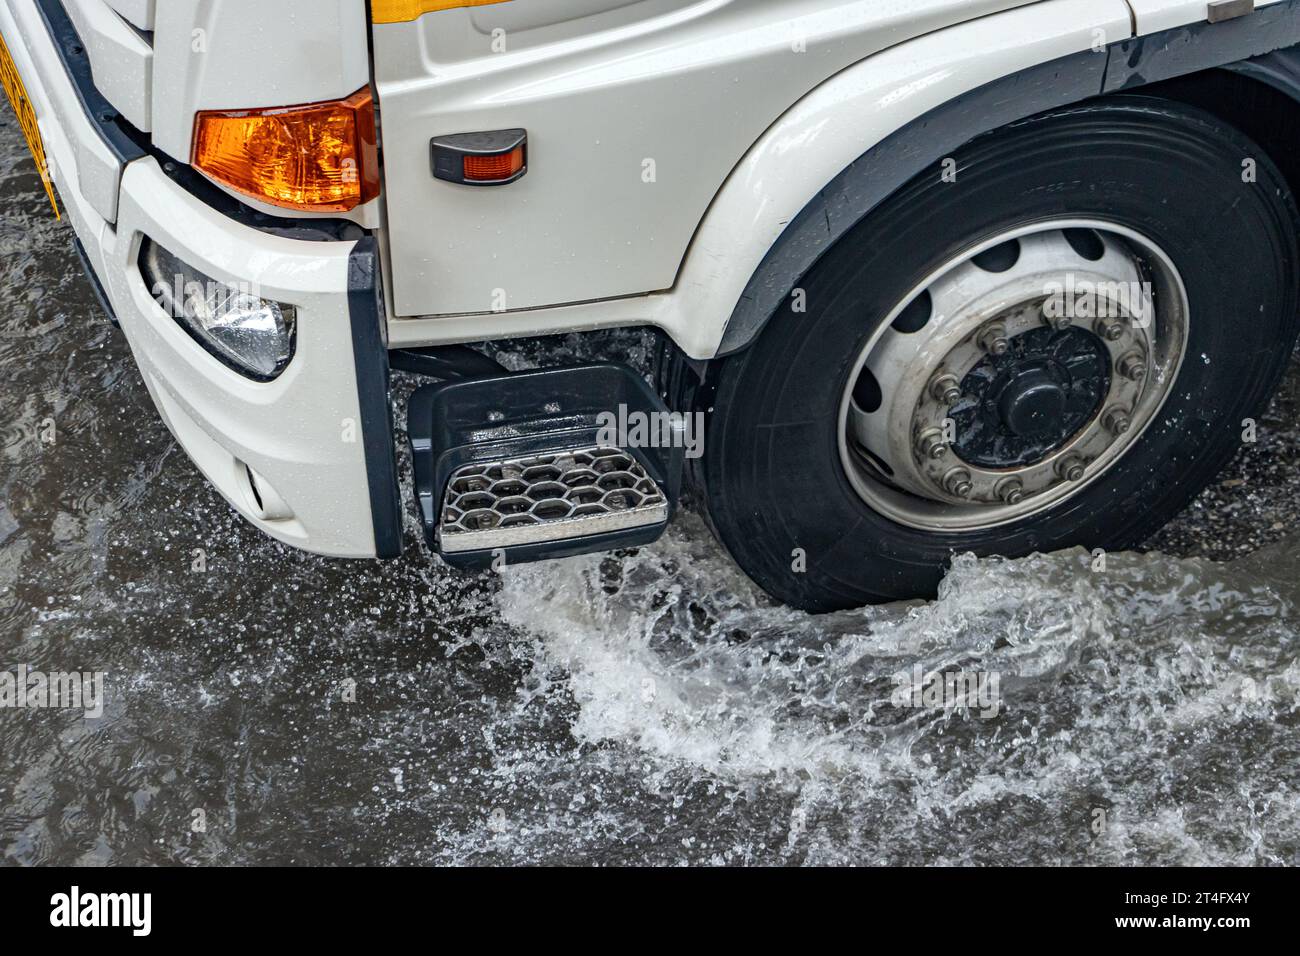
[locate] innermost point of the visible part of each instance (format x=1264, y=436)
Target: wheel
x=1059, y=348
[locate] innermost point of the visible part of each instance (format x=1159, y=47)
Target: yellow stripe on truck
x=403, y=11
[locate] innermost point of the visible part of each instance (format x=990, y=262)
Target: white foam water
x=1147, y=710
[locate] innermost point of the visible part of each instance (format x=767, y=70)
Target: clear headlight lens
x=253, y=335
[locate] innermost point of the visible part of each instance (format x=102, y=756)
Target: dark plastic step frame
x=490, y=418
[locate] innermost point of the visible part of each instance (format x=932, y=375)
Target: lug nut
x=946, y=389
x=1110, y=329
x=1117, y=421
x=1061, y=321
x=1011, y=491
x=931, y=445
x=1132, y=366
x=958, y=483
x=994, y=339
x=1071, y=469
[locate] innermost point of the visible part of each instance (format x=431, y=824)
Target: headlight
x=252, y=335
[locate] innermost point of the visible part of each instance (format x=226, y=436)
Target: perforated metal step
x=551, y=497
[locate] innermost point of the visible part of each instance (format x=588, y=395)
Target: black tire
x=771, y=477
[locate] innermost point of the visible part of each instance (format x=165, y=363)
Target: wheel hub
x=1031, y=401
x=1015, y=376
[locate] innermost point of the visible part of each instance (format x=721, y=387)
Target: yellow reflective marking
x=26, y=113
x=403, y=11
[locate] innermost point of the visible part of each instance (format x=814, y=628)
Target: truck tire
x=1059, y=346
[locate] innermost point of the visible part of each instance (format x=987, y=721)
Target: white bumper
x=305, y=434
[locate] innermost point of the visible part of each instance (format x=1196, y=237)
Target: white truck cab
x=951, y=275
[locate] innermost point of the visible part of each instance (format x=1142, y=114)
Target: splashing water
x=1147, y=711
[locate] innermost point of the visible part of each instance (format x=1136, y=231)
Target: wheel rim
x=1014, y=376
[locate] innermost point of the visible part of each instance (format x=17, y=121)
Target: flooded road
x=266, y=706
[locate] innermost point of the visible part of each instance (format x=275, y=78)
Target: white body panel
x=138, y=13
x=300, y=433
x=220, y=54
x=636, y=116
x=121, y=60
x=797, y=156
x=1152, y=16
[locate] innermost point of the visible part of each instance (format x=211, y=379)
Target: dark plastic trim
x=1140, y=61
x=1280, y=70
x=202, y=189
x=452, y=424
x=98, y=287
x=1123, y=67
x=447, y=154
x=444, y=362
x=370, y=356
x=98, y=110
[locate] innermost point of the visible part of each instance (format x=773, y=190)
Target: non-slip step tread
x=559, y=496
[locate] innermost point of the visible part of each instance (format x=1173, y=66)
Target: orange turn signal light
x=322, y=157
x=491, y=169
x=487, y=158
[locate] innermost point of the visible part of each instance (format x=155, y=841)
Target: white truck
x=930, y=276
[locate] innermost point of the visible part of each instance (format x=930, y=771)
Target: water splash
x=1129, y=696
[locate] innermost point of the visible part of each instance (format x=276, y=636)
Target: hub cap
x=1014, y=376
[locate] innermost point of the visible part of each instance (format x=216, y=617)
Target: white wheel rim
x=1132, y=291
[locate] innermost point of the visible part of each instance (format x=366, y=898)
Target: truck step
x=557, y=496
x=523, y=466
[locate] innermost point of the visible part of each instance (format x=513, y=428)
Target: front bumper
x=307, y=458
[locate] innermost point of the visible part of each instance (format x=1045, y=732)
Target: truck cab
x=997, y=276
